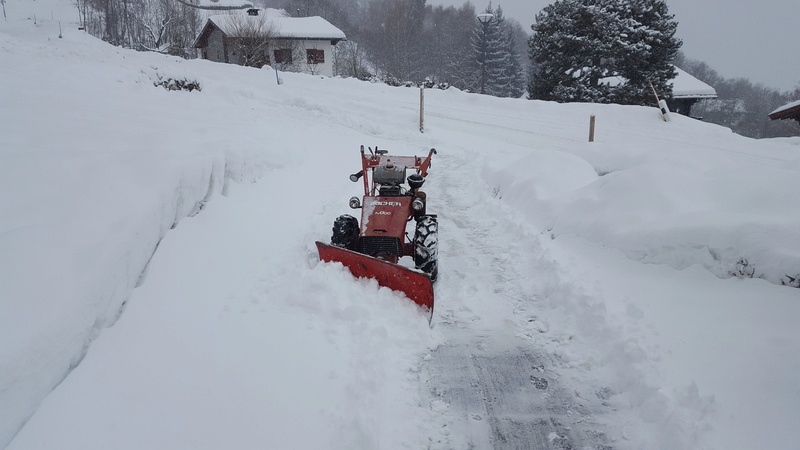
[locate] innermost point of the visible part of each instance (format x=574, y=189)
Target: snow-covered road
x=584, y=298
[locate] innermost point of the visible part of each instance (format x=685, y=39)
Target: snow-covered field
x=160, y=288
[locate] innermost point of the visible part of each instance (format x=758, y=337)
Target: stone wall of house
x=216, y=46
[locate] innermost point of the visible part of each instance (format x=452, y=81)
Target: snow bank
x=726, y=205
x=94, y=175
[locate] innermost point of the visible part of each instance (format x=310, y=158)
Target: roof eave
x=203, y=36
x=313, y=38
x=793, y=113
x=694, y=96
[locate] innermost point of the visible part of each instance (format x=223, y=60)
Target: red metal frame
x=375, y=160
x=388, y=216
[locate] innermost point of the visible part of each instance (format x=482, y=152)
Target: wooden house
x=686, y=91
x=268, y=37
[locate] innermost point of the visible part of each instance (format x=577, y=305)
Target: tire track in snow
x=502, y=392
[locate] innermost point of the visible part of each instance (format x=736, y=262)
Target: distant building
x=789, y=111
x=686, y=91
x=267, y=37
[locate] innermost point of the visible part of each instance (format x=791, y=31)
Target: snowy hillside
x=160, y=286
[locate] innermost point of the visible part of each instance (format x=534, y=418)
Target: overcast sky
x=758, y=40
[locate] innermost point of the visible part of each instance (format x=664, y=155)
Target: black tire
x=426, y=246
x=345, y=232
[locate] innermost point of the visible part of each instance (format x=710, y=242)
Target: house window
x=314, y=56
x=283, y=56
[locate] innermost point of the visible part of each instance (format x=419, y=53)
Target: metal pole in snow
x=277, y=80
x=591, y=128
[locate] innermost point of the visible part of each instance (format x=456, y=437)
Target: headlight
x=417, y=204
x=355, y=203
x=356, y=176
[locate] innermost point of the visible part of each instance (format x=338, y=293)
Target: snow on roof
x=223, y=4
x=282, y=25
x=683, y=86
x=687, y=86
x=786, y=107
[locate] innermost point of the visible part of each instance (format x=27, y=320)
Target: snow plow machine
x=374, y=248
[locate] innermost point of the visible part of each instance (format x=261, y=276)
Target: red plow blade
x=416, y=285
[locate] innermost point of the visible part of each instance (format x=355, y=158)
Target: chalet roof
x=222, y=5
x=787, y=111
x=684, y=86
x=282, y=26
x=687, y=86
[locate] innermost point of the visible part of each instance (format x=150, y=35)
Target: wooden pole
x=421, y=109
x=591, y=128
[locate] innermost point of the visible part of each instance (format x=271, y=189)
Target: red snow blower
x=373, y=249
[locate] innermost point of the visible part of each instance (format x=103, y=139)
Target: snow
x=160, y=287
x=282, y=26
x=685, y=85
x=223, y=4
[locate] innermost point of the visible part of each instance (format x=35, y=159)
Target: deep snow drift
x=645, y=268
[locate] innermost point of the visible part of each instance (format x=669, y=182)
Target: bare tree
x=350, y=60
x=154, y=25
x=155, y=18
x=394, y=40
x=251, y=36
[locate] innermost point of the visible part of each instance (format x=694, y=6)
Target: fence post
x=591, y=128
x=421, y=109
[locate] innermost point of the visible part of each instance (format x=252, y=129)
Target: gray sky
x=758, y=40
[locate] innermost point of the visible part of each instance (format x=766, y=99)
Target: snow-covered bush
x=172, y=84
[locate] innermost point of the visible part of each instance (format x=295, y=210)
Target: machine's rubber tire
x=426, y=246
x=345, y=232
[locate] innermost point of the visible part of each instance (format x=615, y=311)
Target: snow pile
x=728, y=209
x=237, y=337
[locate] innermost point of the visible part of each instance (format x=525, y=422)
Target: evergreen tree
x=603, y=51
x=513, y=69
x=497, y=68
x=647, y=52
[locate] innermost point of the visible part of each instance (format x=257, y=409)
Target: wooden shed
x=790, y=111
x=686, y=91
